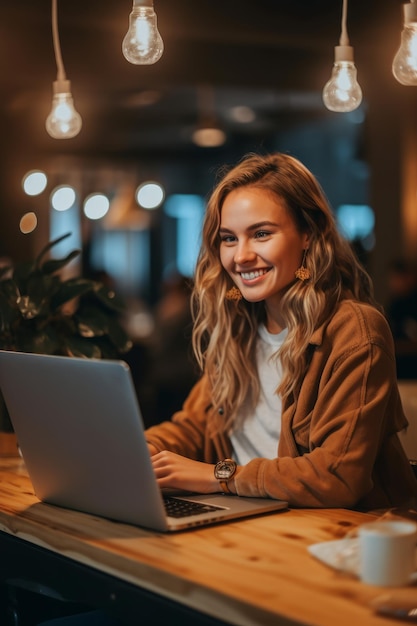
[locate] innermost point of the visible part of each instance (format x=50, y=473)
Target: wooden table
x=251, y=572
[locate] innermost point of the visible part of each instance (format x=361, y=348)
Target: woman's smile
x=253, y=275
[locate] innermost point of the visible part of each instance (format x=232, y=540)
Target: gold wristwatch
x=224, y=471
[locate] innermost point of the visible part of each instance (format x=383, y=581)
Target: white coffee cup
x=387, y=552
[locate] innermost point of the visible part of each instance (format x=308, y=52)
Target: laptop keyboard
x=175, y=507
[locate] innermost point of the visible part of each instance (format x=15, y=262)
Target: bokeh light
x=96, y=206
x=34, y=182
x=28, y=223
x=150, y=195
x=63, y=198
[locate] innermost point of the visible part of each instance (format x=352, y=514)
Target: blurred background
x=254, y=69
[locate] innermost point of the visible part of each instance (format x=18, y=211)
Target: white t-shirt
x=257, y=432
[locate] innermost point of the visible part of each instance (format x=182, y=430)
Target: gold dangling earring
x=303, y=273
x=233, y=294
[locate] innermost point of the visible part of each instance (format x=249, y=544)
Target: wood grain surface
x=252, y=572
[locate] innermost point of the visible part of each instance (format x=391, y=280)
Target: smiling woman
x=261, y=248
x=299, y=384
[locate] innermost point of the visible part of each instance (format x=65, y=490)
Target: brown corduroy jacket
x=339, y=445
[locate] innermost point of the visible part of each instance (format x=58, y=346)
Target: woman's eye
x=261, y=234
x=227, y=238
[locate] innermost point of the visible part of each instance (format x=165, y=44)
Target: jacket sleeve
x=337, y=428
x=185, y=433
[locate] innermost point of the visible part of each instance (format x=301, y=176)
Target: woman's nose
x=244, y=253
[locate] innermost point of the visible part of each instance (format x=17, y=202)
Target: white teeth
x=252, y=275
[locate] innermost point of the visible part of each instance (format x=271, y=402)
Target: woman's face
x=260, y=247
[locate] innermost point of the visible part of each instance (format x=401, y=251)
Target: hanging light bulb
x=404, y=66
x=63, y=122
x=342, y=92
x=142, y=44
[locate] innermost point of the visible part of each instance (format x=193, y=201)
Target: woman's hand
x=152, y=449
x=178, y=472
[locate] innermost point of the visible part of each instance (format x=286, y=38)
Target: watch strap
x=224, y=486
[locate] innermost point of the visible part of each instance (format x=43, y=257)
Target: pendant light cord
x=57, y=47
x=344, y=38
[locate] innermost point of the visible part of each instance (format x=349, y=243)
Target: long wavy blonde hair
x=225, y=332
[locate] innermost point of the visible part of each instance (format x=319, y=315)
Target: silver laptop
x=81, y=434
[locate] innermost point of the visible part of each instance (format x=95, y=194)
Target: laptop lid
x=81, y=433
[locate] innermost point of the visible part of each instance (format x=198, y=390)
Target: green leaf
x=40, y=342
x=91, y=321
x=21, y=274
x=109, y=298
x=70, y=289
x=119, y=337
x=34, y=300
x=106, y=347
x=48, y=246
x=9, y=290
x=77, y=346
x=28, y=308
x=54, y=265
x=39, y=290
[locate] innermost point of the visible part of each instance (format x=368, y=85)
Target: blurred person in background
x=401, y=311
x=173, y=370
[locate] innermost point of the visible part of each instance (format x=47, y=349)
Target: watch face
x=225, y=469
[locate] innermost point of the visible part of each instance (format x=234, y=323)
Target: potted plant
x=42, y=312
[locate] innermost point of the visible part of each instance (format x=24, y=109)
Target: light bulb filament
x=63, y=112
x=143, y=35
x=412, y=48
x=344, y=80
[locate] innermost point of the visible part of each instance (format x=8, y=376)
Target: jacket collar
x=316, y=338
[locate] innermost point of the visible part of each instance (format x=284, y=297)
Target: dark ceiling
x=272, y=55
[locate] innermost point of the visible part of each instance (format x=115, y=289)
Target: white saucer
x=343, y=555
